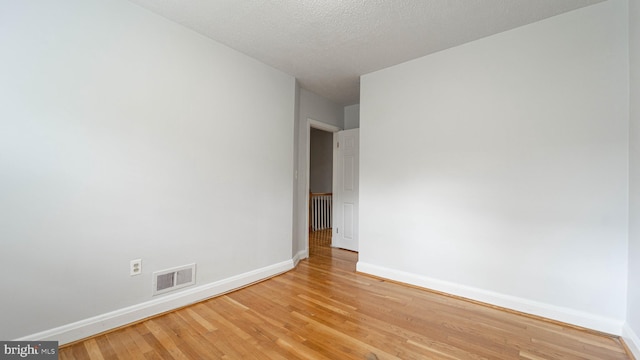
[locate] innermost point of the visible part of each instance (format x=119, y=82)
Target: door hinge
x=337, y=230
x=338, y=144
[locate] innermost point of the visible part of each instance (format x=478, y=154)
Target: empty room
x=480, y=195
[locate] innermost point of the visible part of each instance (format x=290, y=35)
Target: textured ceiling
x=328, y=44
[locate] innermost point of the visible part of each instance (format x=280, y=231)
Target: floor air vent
x=174, y=278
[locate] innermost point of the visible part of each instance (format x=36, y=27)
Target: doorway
x=320, y=165
x=320, y=180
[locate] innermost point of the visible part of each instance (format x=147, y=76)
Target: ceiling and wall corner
x=352, y=116
x=328, y=45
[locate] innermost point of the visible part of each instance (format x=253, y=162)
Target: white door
x=345, y=229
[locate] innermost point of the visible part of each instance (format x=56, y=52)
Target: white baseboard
x=566, y=315
x=301, y=255
x=101, y=323
x=632, y=340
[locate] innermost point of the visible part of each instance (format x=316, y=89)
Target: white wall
x=497, y=170
x=124, y=136
x=633, y=308
x=315, y=107
x=352, y=117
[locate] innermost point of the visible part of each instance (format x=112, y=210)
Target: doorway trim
x=311, y=123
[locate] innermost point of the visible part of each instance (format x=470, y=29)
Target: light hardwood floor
x=323, y=309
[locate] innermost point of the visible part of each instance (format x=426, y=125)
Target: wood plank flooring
x=323, y=309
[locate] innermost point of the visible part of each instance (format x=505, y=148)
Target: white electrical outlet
x=135, y=267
